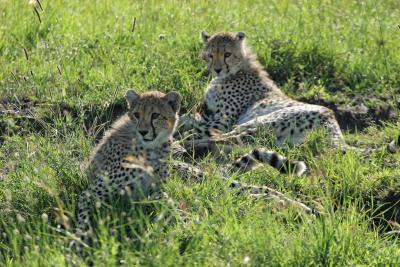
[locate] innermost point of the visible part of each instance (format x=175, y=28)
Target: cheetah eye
x=155, y=116
x=210, y=55
x=136, y=115
x=227, y=54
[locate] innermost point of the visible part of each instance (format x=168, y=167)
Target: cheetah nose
x=218, y=70
x=143, y=132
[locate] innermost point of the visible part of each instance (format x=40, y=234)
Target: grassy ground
x=62, y=78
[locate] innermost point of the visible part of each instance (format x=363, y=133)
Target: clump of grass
x=71, y=69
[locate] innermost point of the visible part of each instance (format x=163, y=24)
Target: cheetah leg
x=188, y=171
x=85, y=206
x=250, y=160
x=193, y=149
x=275, y=160
x=284, y=201
x=187, y=122
x=201, y=147
x=292, y=123
x=98, y=191
x=217, y=143
x=270, y=193
x=237, y=136
x=82, y=231
x=255, y=191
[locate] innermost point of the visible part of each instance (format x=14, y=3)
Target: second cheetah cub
x=132, y=156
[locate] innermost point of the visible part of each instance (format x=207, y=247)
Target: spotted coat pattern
x=242, y=97
x=132, y=158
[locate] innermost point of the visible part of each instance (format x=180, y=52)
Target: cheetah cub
x=132, y=157
x=232, y=100
x=242, y=97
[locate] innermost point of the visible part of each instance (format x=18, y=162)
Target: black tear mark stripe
x=227, y=67
x=153, y=128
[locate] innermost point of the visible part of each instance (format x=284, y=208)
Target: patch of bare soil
x=19, y=116
x=16, y=107
x=358, y=116
x=13, y=113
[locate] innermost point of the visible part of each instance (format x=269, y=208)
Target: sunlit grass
x=65, y=77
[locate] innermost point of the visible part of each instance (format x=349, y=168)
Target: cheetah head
x=154, y=115
x=224, y=52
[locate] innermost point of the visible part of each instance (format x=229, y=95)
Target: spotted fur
x=239, y=84
x=131, y=157
x=260, y=155
x=132, y=160
x=242, y=97
x=243, y=188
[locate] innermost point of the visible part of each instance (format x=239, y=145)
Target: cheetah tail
x=275, y=160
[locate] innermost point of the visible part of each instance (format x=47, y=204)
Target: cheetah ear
x=174, y=100
x=240, y=36
x=204, y=37
x=131, y=98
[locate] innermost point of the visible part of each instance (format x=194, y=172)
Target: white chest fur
x=212, y=94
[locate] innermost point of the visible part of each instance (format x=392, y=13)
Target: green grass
x=83, y=56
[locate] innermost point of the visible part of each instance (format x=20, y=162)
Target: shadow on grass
x=26, y=116
x=309, y=65
x=318, y=67
x=318, y=64
x=386, y=210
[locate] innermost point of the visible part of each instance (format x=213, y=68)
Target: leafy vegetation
x=62, y=78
